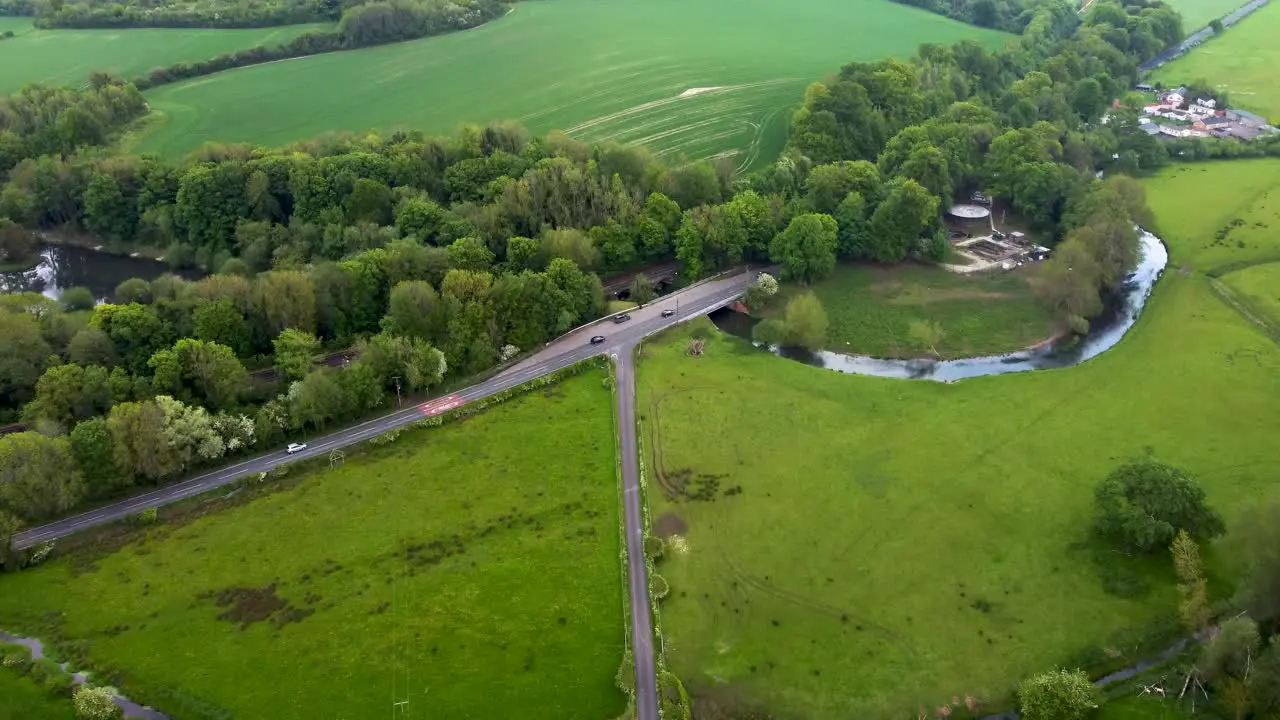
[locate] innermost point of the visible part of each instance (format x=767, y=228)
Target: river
x=66, y=266
x=1105, y=331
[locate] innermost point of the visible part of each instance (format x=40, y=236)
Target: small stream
x=1104, y=333
x=131, y=709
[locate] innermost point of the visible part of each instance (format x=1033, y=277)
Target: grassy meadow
x=470, y=571
x=603, y=71
x=861, y=547
x=1242, y=62
x=869, y=309
x=67, y=57
x=22, y=699
x=1197, y=13
x=1259, y=286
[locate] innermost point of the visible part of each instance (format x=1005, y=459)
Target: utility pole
x=397, y=379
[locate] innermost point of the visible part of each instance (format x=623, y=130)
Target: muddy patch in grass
x=248, y=605
x=669, y=524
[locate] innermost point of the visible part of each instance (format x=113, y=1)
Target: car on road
x=668, y=312
x=597, y=339
x=296, y=447
x=621, y=318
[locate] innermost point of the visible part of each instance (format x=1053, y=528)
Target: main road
x=619, y=344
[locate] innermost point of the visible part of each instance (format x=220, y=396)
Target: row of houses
x=1198, y=117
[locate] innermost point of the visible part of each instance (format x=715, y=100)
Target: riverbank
x=1105, y=331
x=871, y=308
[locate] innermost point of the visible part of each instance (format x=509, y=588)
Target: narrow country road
x=637, y=575
x=620, y=342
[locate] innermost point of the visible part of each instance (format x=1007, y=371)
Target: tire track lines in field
x=662, y=103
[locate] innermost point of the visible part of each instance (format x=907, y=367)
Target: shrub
x=1058, y=695
x=77, y=298
x=660, y=586
x=147, y=517
x=654, y=547
x=1141, y=507
x=96, y=703
x=626, y=677
x=15, y=657
x=49, y=675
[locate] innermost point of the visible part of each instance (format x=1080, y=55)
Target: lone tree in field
x=96, y=703
x=642, y=290
x=1058, y=695
x=1143, y=505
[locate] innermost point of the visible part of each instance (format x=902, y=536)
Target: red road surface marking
x=440, y=405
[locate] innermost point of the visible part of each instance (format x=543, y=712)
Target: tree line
x=141, y=13
x=40, y=121
x=363, y=25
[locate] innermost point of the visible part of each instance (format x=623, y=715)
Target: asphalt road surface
x=619, y=344
x=637, y=572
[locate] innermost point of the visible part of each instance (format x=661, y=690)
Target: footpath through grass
x=870, y=308
x=859, y=547
x=1242, y=62
x=67, y=57
x=615, y=70
x=22, y=699
x=470, y=571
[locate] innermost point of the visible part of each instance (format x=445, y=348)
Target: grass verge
x=469, y=570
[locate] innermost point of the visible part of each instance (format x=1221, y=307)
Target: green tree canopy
x=1142, y=505
x=806, y=250
x=1058, y=695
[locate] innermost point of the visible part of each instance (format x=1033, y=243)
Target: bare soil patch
x=669, y=524
x=248, y=605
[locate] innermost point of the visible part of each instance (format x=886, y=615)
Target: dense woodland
x=439, y=257
x=40, y=121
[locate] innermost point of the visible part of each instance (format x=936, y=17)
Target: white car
x=296, y=447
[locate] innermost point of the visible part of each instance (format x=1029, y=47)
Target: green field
x=1259, y=286
x=600, y=70
x=1197, y=13
x=877, y=546
x=1192, y=203
x=16, y=25
x=22, y=699
x=1242, y=62
x=472, y=571
x=67, y=57
x=869, y=309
